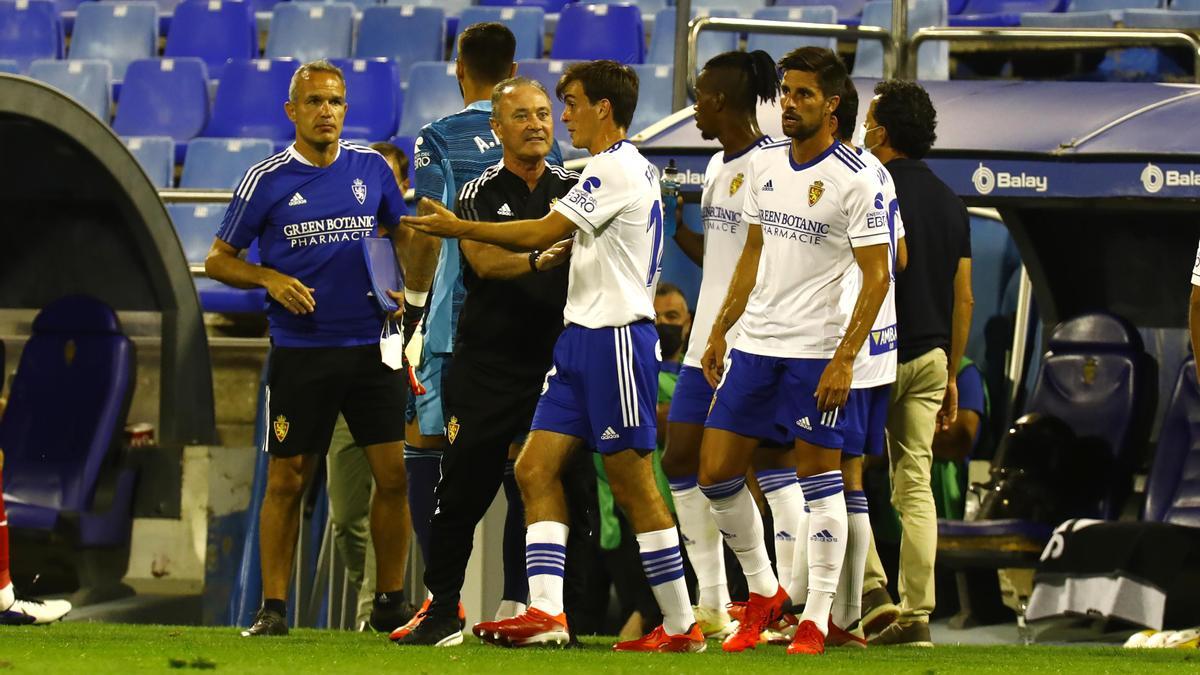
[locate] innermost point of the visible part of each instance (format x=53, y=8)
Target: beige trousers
x=350, y=483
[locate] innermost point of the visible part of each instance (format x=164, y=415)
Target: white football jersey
x=724, y=238
x=812, y=215
x=875, y=364
x=617, y=254
x=1196, y=269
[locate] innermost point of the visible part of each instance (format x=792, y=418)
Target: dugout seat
x=526, y=23
x=588, y=32
x=404, y=34
x=197, y=225
x=846, y=9
x=118, y=32
x=62, y=429
x=156, y=156
x=1000, y=12
x=778, y=45
x=373, y=97
x=88, y=81
x=1173, y=487
x=250, y=98
x=307, y=31
x=220, y=163
x=29, y=30
x=216, y=31
x=164, y=97
x=933, y=58
x=439, y=96
x=710, y=43
x=654, y=96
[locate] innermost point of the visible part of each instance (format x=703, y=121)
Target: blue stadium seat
x=372, y=89
x=647, y=7
x=654, y=95
x=264, y=5
x=10, y=66
x=29, y=31
x=743, y=8
x=250, y=100
x=1186, y=5
x=846, y=9
x=156, y=155
x=599, y=32
x=547, y=6
x=360, y=5
x=439, y=96
x=778, y=45
x=999, y=12
x=1173, y=487
x=164, y=97
x=118, y=32
x=1097, y=19
x=214, y=30
x=306, y=31
x=1116, y=8
x=450, y=7
x=65, y=420
x=197, y=225
x=220, y=163
x=1162, y=18
x=662, y=39
x=933, y=58
x=86, y=81
x=405, y=35
x=548, y=72
x=526, y=23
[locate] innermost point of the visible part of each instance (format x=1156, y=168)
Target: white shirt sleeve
x=750, y=212
x=1196, y=269
x=867, y=221
x=603, y=192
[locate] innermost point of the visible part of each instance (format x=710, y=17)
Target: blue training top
x=308, y=221
x=450, y=152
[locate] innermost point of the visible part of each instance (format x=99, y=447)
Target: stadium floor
x=120, y=648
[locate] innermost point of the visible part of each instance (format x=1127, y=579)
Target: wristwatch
x=533, y=259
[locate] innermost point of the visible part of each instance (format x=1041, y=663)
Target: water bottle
x=670, y=197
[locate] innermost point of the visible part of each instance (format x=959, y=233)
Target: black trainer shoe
x=878, y=611
x=387, y=616
x=434, y=631
x=267, y=623
x=911, y=634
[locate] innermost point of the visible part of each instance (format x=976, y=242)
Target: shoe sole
x=881, y=617
x=452, y=640
x=559, y=638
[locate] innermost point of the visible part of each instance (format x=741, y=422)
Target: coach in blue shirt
x=310, y=207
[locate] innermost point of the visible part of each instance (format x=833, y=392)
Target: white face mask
x=862, y=142
x=859, y=135
x=391, y=345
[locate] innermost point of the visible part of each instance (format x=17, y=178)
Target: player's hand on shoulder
x=438, y=220
x=555, y=255
x=834, y=386
x=713, y=361
x=289, y=292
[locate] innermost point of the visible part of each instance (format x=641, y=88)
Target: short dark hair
x=847, y=110
x=824, y=63
x=758, y=80
x=604, y=79
x=667, y=288
x=390, y=151
x=904, y=109
x=486, y=51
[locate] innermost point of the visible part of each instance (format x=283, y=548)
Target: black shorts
x=308, y=387
x=486, y=405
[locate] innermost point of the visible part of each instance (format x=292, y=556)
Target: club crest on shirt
x=281, y=426
x=815, y=191
x=360, y=190
x=452, y=428
x=736, y=183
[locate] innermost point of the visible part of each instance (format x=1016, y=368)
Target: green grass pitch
x=94, y=648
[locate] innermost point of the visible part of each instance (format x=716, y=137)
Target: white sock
x=737, y=517
x=702, y=541
x=847, y=606
x=545, y=561
x=7, y=597
x=786, y=500
x=827, y=530
x=798, y=587
x=663, y=565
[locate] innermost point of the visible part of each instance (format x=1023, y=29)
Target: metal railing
x=685, y=79
x=1003, y=39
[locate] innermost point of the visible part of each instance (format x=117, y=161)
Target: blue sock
x=424, y=469
x=516, y=583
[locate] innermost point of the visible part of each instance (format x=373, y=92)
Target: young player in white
x=601, y=390
x=728, y=90
x=812, y=218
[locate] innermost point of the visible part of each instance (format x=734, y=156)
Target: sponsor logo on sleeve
x=882, y=340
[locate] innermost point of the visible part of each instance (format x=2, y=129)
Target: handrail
x=999, y=39
x=188, y=195
x=723, y=25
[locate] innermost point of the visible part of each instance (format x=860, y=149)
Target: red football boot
x=840, y=637
x=757, y=613
x=534, y=627
x=412, y=624
x=808, y=640
x=659, y=641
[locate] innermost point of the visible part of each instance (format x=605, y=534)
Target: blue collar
x=484, y=105
x=727, y=158
x=815, y=160
x=614, y=146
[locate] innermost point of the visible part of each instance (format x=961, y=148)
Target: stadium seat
x=1173, y=487
x=156, y=155
x=450, y=7
x=1186, y=5
x=1098, y=19
x=1162, y=18
x=10, y=66
x=62, y=429
x=711, y=43
x=647, y=7
x=743, y=8
x=548, y=72
x=1116, y=8
x=654, y=95
x=249, y=102
x=998, y=12
x=220, y=163
x=214, y=30
x=406, y=35
x=439, y=96
x=360, y=5
x=29, y=30
x=164, y=97
x=933, y=58
x=372, y=89
x=778, y=45
x=197, y=225
x=599, y=32
x=86, y=81
x=547, y=6
x=118, y=32
x=526, y=23
x=846, y=9
x=307, y=31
